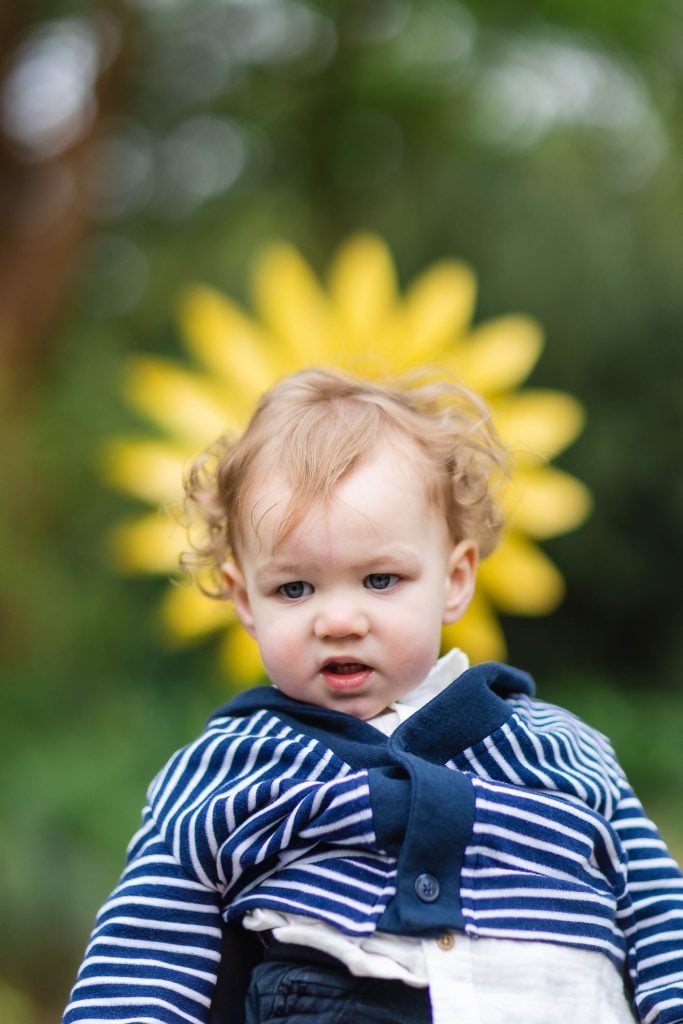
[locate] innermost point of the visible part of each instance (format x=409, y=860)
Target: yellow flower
x=362, y=322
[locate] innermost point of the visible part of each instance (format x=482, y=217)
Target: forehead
x=387, y=491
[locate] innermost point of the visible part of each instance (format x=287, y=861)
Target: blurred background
x=147, y=144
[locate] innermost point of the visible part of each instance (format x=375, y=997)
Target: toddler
x=411, y=839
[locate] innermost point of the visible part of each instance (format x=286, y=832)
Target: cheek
x=279, y=639
x=416, y=630
x=416, y=625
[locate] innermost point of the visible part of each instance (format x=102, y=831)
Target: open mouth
x=344, y=675
x=345, y=668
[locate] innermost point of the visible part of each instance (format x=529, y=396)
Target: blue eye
x=295, y=589
x=380, y=580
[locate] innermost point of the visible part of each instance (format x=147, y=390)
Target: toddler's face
x=347, y=610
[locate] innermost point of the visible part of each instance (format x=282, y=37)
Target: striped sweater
x=487, y=811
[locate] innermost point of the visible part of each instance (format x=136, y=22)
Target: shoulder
x=526, y=714
x=237, y=767
x=546, y=746
x=544, y=717
x=232, y=752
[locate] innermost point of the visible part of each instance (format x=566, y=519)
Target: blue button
x=427, y=888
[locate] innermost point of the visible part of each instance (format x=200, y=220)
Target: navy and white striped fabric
x=518, y=810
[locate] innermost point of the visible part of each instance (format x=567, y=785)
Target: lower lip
x=343, y=683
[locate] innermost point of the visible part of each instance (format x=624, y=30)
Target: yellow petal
x=363, y=291
x=498, y=355
x=148, y=544
x=231, y=346
x=545, y=502
x=438, y=309
x=478, y=633
x=240, y=659
x=182, y=403
x=537, y=424
x=150, y=470
x=292, y=304
x=518, y=578
x=189, y=615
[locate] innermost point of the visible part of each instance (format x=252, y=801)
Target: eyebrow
x=395, y=557
x=276, y=569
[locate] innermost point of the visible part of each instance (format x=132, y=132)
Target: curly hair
x=313, y=428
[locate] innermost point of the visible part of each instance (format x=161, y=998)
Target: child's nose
x=340, y=620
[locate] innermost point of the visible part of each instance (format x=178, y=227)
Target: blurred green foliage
x=539, y=141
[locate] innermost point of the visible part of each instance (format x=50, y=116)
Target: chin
x=359, y=709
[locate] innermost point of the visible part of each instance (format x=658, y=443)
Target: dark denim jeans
x=321, y=994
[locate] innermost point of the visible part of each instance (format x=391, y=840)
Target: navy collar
x=463, y=714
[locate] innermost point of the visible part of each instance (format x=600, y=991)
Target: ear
x=461, y=579
x=234, y=577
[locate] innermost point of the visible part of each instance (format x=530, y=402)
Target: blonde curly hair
x=313, y=428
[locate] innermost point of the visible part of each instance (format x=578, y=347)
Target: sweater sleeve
x=652, y=914
x=218, y=819
x=153, y=954
x=233, y=803
x=549, y=755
